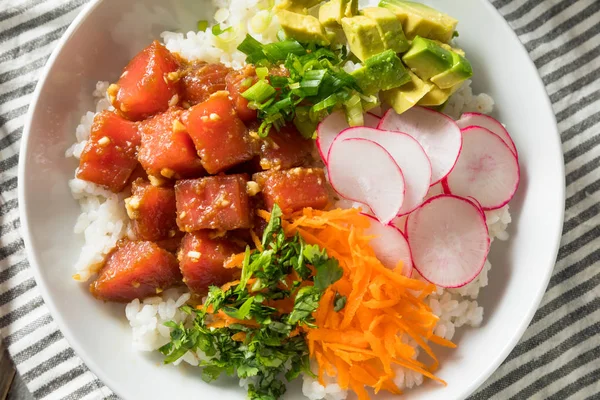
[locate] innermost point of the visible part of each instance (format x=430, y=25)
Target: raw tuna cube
x=293, y=189
x=147, y=85
x=284, y=149
x=152, y=211
x=172, y=244
x=201, y=259
x=134, y=271
x=199, y=80
x=109, y=156
x=214, y=202
x=238, y=82
x=167, y=150
x=221, y=138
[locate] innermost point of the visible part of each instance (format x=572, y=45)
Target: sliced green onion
x=326, y=103
x=246, y=83
x=279, y=51
x=262, y=72
x=252, y=48
x=217, y=30
x=281, y=35
x=295, y=85
x=312, y=81
x=259, y=92
x=278, y=81
x=202, y=25
x=354, y=110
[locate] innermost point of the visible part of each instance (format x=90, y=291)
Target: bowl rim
x=71, y=337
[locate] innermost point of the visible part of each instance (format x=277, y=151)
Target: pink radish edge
x=446, y=184
x=407, y=267
x=332, y=179
x=487, y=239
x=342, y=135
x=440, y=179
x=505, y=136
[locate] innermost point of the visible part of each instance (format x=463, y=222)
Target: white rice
x=103, y=219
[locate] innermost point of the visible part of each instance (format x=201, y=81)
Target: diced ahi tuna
x=284, y=149
x=146, y=86
x=172, y=244
x=221, y=138
x=110, y=155
x=293, y=189
x=152, y=211
x=167, y=150
x=136, y=270
x=214, y=202
x=199, y=80
x=238, y=82
x=201, y=259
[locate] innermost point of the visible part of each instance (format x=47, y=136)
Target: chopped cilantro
x=264, y=350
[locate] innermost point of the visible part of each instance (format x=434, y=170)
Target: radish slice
x=390, y=246
x=489, y=123
x=437, y=133
x=487, y=169
x=331, y=126
x=408, y=155
x=400, y=223
x=449, y=240
x=355, y=169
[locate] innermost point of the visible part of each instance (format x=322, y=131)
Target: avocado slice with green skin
x=303, y=28
x=390, y=28
x=332, y=12
x=406, y=96
x=383, y=71
x=420, y=20
x=363, y=36
x=461, y=70
x=437, y=96
x=426, y=58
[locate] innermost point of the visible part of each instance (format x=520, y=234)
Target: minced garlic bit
x=104, y=141
x=265, y=163
x=174, y=76
x=252, y=188
x=254, y=135
x=219, y=233
x=167, y=173
x=182, y=215
x=158, y=290
x=155, y=180
x=112, y=91
x=194, y=255
x=172, y=233
x=214, y=117
x=135, y=284
x=132, y=205
x=178, y=126
x=174, y=100
x=185, y=104
x=124, y=74
x=123, y=107
x=204, y=118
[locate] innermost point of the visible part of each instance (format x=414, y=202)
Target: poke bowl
x=291, y=199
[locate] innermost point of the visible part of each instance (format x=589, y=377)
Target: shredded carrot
x=235, y=261
x=362, y=342
x=256, y=240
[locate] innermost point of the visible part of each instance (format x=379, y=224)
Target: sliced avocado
x=420, y=20
x=298, y=6
x=404, y=97
x=303, y=28
x=383, y=71
x=437, y=96
x=426, y=58
x=389, y=27
x=460, y=71
x=363, y=36
x=332, y=12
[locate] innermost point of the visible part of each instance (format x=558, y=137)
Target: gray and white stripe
x=557, y=358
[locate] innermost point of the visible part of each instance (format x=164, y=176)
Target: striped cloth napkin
x=557, y=358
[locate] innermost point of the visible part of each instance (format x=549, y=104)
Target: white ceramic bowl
x=96, y=47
